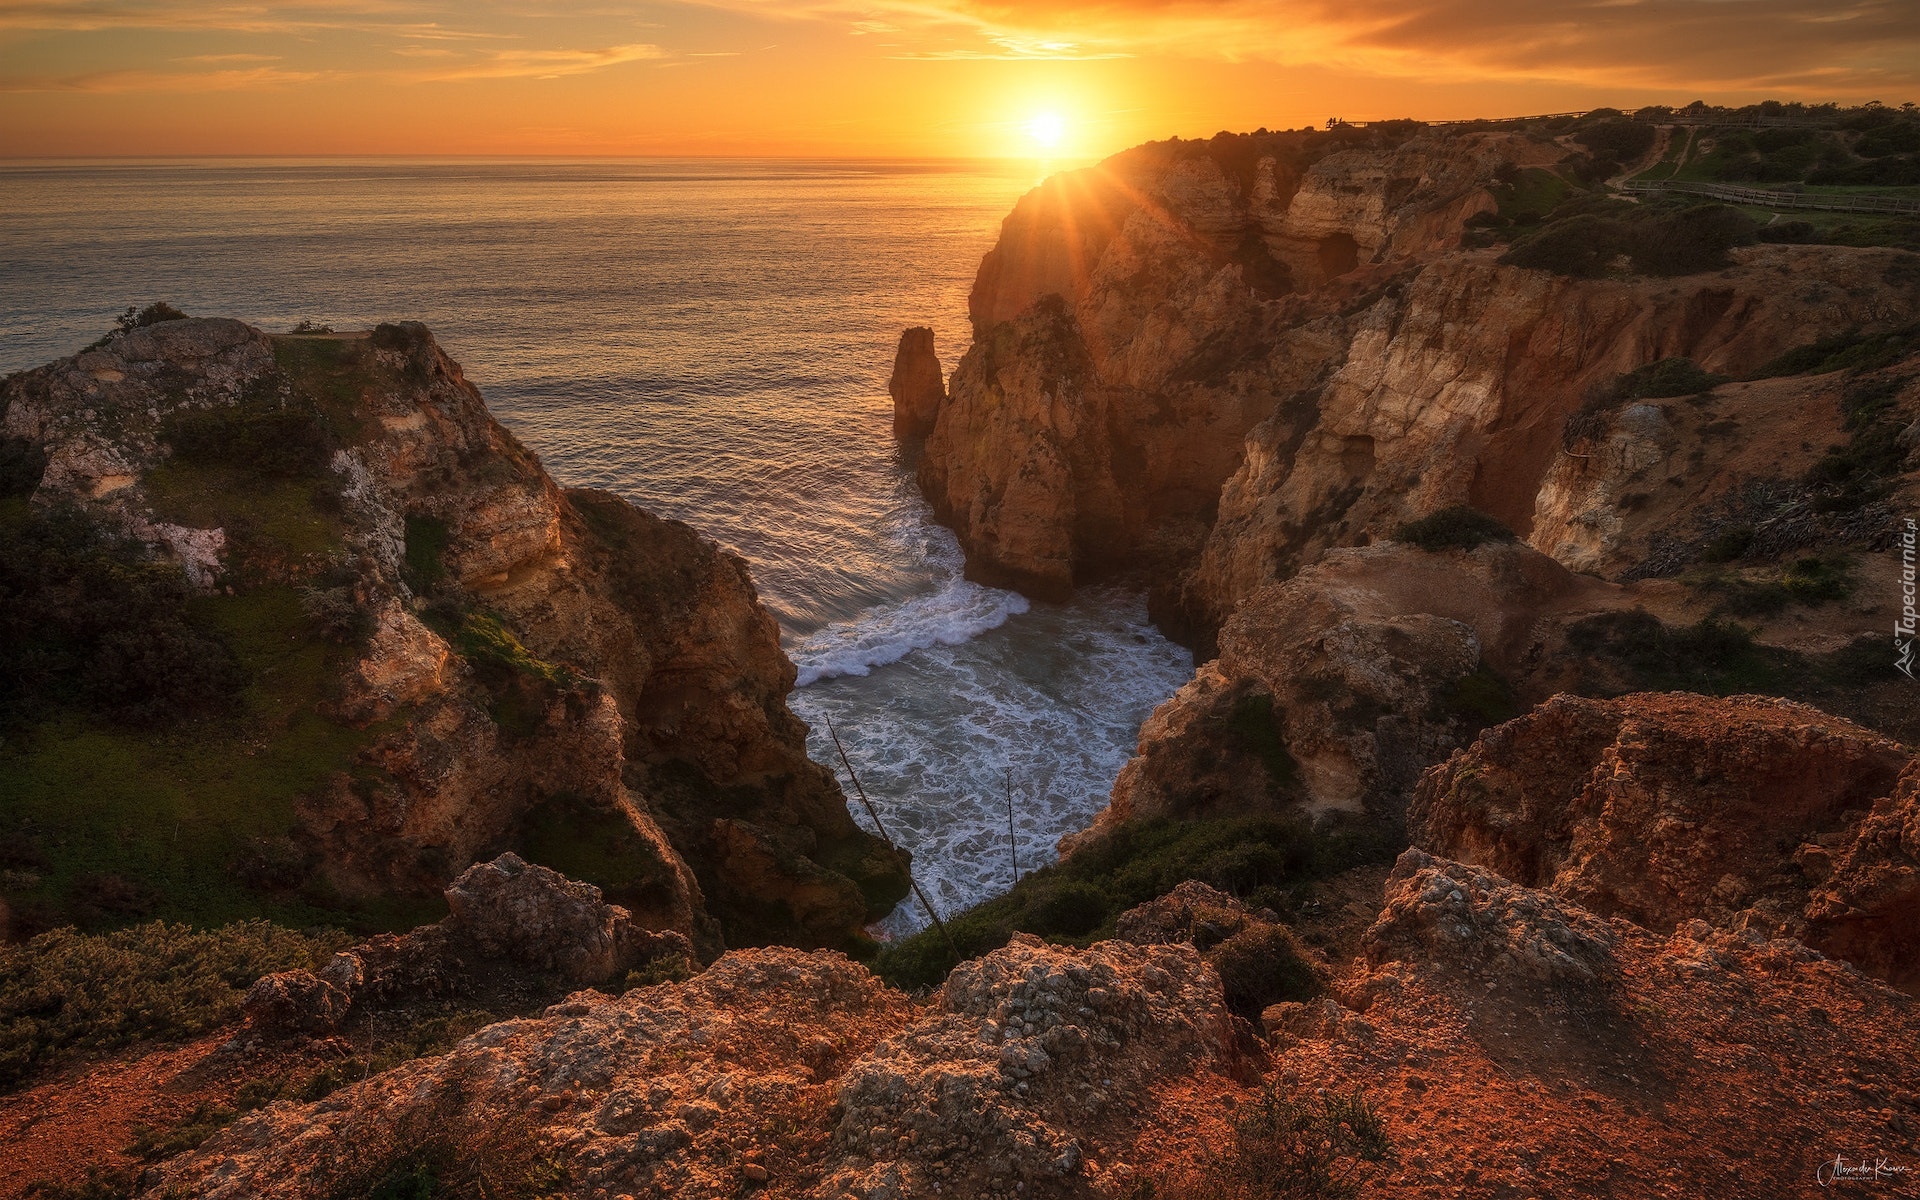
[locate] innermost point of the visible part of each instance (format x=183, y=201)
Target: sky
x=1059, y=79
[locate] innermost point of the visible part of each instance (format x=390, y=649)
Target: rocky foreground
x=1512, y=1042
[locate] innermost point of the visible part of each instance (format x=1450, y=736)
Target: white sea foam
x=959, y=612
x=1055, y=695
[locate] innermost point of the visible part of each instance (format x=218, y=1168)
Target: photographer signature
x=1841, y=1170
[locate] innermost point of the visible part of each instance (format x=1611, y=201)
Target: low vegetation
x=66, y=994
x=1265, y=861
x=1456, y=528
x=1586, y=238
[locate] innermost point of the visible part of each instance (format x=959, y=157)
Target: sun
x=1048, y=130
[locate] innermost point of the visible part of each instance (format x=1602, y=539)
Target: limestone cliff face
x=1335, y=689
x=1137, y=320
x=1458, y=390
x=529, y=657
x=1218, y=360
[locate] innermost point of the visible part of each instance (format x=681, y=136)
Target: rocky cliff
x=1286, y=378
x=1219, y=359
x=501, y=662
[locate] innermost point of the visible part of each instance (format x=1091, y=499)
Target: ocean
x=710, y=339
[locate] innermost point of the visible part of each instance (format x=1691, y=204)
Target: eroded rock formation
x=918, y=386
x=523, y=657
x=1747, y=812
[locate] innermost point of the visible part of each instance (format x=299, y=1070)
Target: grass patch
x=65, y=993
x=1459, y=527
x=1267, y=861
x=172, y=813
x=1851, y=476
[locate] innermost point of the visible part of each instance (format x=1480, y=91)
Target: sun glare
x=1048, y=130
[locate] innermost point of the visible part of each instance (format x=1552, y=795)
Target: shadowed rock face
x=622, y=685
x=917, y=386
x=1664, y=808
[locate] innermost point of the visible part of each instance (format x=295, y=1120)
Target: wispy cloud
x=1840, y=46
x=543, y=64
x=117, y=82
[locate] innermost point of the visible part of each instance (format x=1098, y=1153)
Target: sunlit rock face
x=1214, y=361
x=917, y=386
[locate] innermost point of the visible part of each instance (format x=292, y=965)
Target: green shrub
x=89, y=621
x=1862, y=471
x=1287, y=1148
x=1253, y=726
x=1583, y=246
x=152, y=314
x=1815, y=581
x=1623, y=138
x=1265, y=860
x=1664, y=379
x=1459, y=527
x=66, y=993
x=1692, y=240
x=1262, y=965
x=1844, y=351
x=1071, y=907
x=426, y=552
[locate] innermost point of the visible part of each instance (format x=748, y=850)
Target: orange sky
x=893, y=77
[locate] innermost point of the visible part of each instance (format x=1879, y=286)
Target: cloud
x=1838, y=47
x=117, y=82
x=543, y=64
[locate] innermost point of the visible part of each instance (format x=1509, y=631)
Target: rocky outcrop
x=1497, y=1033
x=508, y=917
x=1866, y=909
x=1515, y=1043
x=1747, y=812
x=1136, y=321
x=1459, y=389
x=1336, y=689
x=526, y=661
x=800, y=1071
x=918, y=386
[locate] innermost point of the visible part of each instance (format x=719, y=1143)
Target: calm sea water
x=710, y=339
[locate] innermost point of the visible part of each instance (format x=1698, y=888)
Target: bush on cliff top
x=1285, y=1147
x=1683, y=242
x=90, y=622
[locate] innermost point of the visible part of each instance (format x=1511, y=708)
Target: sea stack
x=918, y=387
